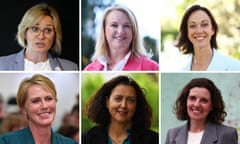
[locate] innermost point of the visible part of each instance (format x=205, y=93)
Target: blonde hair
x=32, y=16
x=37, y=79
x=136, y=46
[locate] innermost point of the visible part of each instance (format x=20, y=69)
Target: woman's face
x=40, y=37
x=199, y=104
x=40, y=106
x=200, y=30
x=122, y=104
x=118, y=30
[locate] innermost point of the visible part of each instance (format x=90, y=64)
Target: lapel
x=133, y=63
x=19, y=61
x=210, y=134
x=181, y=137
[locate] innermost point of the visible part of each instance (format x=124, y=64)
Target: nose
x=41, y=34
x=120, y=30
x=43, y=104
x=199, y=29
x=196, y=103
x=124, y=103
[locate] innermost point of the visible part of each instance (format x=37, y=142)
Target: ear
x=24, y=111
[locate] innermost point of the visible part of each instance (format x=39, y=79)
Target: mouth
x=45, y=114
x=199, y=38
x=122, y=113
x=40, y=44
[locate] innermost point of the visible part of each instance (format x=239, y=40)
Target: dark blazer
x=99, y=135
x=16, y=62
x=213, y=134
x=24, y=136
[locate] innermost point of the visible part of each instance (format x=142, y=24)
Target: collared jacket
x=213, y=134
x=99, y=135
x=16, y=62
x=24, y=136
x=219, y=62
x=138, y=63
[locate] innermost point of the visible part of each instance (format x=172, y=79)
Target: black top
x=99, y=135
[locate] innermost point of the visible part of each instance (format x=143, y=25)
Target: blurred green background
x=93, y=81
x=226, y=14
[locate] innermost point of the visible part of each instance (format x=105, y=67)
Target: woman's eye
x=35, y=29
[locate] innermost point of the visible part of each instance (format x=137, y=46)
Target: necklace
x=114, y=142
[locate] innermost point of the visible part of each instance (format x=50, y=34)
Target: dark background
x=12, y=11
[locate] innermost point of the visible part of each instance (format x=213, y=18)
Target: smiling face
x=118, y=30
x=200, y=29
x=40, y=106
x=122, y=104
x=199, y=104
x=40, y=37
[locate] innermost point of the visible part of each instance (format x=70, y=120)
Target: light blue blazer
x=16, y=62
x=24, y=136
x=213, y=134
x=219, y=63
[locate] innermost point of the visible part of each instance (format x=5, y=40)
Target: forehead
x=122, y=89
x=200, y=91
x=117, y=15
x=198, y=16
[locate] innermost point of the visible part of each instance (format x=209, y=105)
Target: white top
x=219, y=62
x=119, y=66
x=194, y=138
x=31, y=66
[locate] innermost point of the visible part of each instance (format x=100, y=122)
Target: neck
x=197, y=126
x=202, y=58
x=41, y=135
x=116, y=56
x=35, y=56
x=118, y=132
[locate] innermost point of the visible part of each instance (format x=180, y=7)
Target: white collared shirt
x=31, y=66
x=119, y=66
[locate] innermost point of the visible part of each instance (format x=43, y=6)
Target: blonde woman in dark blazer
x=201, y=104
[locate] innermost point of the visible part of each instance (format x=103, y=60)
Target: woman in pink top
x=119, y=46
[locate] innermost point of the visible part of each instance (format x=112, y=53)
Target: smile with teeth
x=199, y=37
x=45, y=114
x=196, y=110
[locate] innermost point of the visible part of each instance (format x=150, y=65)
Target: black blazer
x=99, y=135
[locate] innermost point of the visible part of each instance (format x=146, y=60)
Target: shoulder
x=145, y=136
x=94, y=66
x=12, y=137
x=226, y=62
x=95, y=135
x=225, y=128
x=174, y=131
x=145, y=62
x=67, y=64
x=63, y=140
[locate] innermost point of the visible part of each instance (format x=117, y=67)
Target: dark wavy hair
x=217, y=115
x=96, y=109
x=183, y=43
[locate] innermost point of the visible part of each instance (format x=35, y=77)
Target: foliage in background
x=226, y=13
x=88, y=30
x=149, y=81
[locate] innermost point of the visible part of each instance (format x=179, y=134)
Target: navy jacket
x=99, y=135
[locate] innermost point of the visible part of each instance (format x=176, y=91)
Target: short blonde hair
x=36, y=79
x=32, y=16
x=136, y=46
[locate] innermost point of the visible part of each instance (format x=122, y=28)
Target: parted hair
x=96, y=108
x=36, y=79
x=183, y=42
x=216, y=115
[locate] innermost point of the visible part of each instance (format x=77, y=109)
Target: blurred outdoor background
x=173, y=83
x=146, y=12
x=91, y=82
x=227, y=16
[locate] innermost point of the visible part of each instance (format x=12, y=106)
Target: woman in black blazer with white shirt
x=201, y=104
